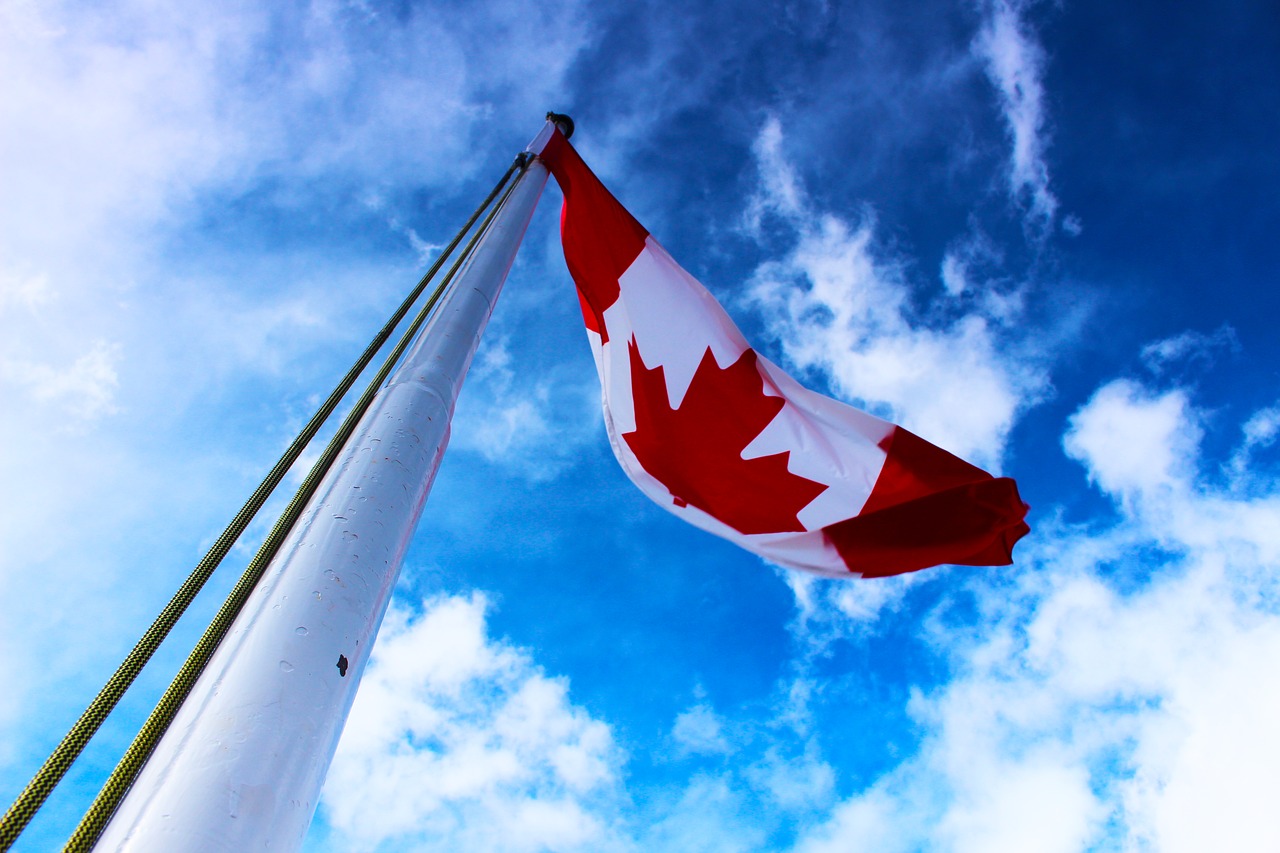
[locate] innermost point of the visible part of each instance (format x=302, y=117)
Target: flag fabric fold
x=723, y=438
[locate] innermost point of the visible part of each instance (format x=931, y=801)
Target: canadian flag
x=723, y=438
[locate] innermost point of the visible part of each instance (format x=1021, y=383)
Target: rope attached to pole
x=117, y=785
x=55, y=767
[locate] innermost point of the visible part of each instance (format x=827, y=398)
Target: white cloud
x=1015, y=63
x=27, y=292
x=123, y=112
x=838, y=307
x=460, y=742
x=537, y=432
x=866, y=823
x=1262, y=427
x=780, y=192
x=122, y=123
x=1190, y=347
x=1133, y=443
x=971, y=268
x=698, y=731
x=1259, y=432
x=1122, y=691
x=954, y=275
x=110, y=115
x=1038, y=800
x=829, y=610
x=797, y=785
x=761, y=792
x=712, y=816
x=85, y=389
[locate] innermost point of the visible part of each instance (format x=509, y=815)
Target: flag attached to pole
x=726, y=440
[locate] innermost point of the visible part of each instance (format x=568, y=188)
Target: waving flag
x=726, y=440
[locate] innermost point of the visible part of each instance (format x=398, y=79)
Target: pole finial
x=563, y=122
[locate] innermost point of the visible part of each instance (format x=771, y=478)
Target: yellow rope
x=55, y=767
x=118, y=783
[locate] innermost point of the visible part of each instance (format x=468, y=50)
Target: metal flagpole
x=242, y=764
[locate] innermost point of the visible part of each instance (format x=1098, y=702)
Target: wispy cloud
x=1259, y=431
x=833, y=610
x=839, y=304
x=1015, y=64
x=84, y=389
x=535, y=431
x=751, y=780
x=699, y=731
x=1191, y=349
x=27, y=292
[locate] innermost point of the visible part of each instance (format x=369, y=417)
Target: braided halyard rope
x=118, y=783
x=55, y=767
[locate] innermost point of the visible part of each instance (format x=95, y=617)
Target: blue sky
x=1040, y=235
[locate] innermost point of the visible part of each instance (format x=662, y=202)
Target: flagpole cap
x=563, y=122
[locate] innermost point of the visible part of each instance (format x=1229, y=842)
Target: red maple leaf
x=696, y=450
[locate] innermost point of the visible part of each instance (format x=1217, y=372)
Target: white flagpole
x=242, y=764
